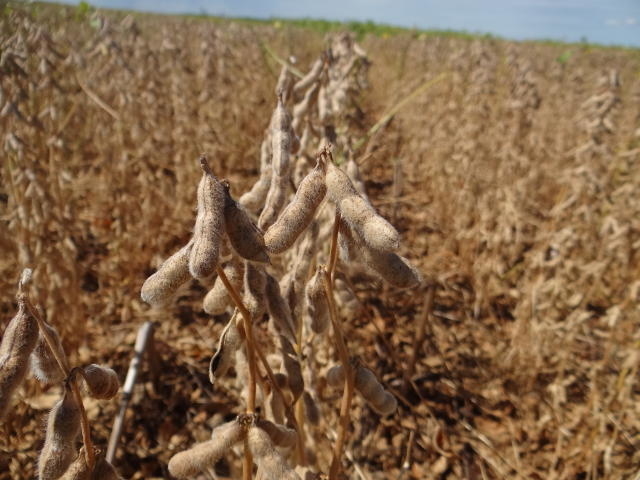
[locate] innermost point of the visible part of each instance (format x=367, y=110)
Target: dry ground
x=513, y=182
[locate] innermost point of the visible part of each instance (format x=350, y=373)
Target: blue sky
x=601, y=21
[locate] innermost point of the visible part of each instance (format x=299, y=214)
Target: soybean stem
x=347, y=395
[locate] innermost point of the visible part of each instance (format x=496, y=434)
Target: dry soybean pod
x=292, y=366
x=317, y=304
x=102, y=382
x=228, y=344
x=373, y=392
x=63, y=427
x=301, y=108
x=204, y=455
x=275, y=200
x=279, y=310
x=44, y=365
x=281, y=435
x=255, y=282
x=173, y=272
x=209, y=227
x=299, y=213
x=306, y=81
x=392, y=267
x=271, y=464
x=217, y=299
x=335, y=376
x=374, y=230
x=280, y=139
x=254, y=198
x=19, y=340
x=244, y=236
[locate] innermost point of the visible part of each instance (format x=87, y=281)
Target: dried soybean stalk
x=204, y=455
x=19, y=340
x=174, y=271
x=217, y=299
x=299, y=213
x=209, y=227
x=245, y=238
x=63, y=427
x=229, y=343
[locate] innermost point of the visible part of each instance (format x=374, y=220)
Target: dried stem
x=347, y=395
x=84, y=421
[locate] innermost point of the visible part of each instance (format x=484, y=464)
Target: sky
x=609, y=22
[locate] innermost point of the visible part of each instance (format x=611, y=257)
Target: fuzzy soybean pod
x=44, y=365
x=244, y=236
x=209, y=227
x=306, y=81
x=228, y=344
x=271, y=464
x=19, y=340
x=204, y=455
x=279, y=310
x=275, y=200
x=299, y=213
x=217, y=299
x=254, y=199
x=102, y=382
x=280, y=139
x=301, y=108
x=281, y=436
x=391, y=267
x=374, y=230
x=173, y=272
x=292, y=366
x=255, y=282
x=335, y=376
x=317, y=303
x=63, y=427
x=373, y=392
